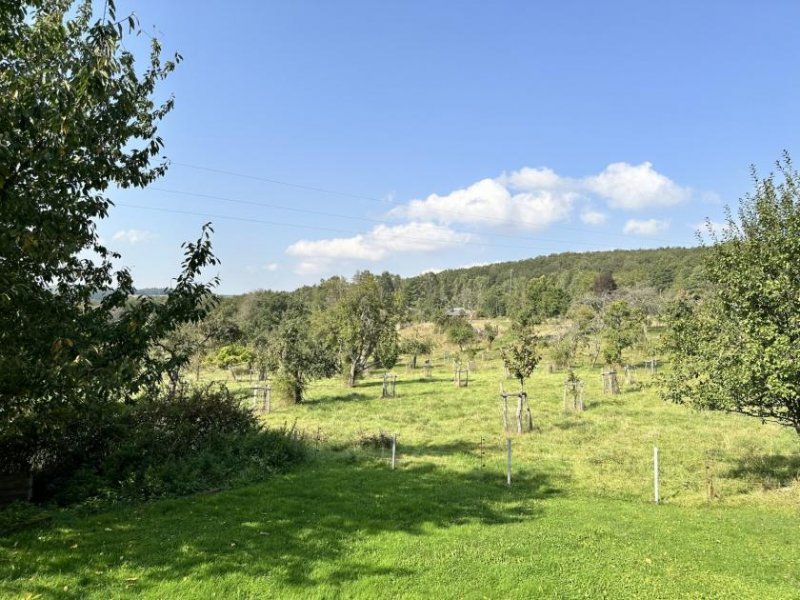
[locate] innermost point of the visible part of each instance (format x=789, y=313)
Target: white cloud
x=133, y=236
x=271, y=267
x=635, y=187
x=533, y=179
x=648, y=227
x=375, y=245
x=534, y=198
x=490, y=202
x=593, y=217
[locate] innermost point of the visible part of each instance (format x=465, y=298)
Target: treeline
x=492, y=290
x=501, y=289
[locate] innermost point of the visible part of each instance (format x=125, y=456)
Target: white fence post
x=656, y=490
x=394, y=450
x=508, y=463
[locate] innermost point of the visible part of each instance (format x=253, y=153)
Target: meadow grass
x=577, y=522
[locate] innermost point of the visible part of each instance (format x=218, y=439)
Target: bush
x=198, y=440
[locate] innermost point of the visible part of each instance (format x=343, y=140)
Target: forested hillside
x=486, y=289
x=493, y=290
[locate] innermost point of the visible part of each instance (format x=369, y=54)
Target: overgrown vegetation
x=170, y=445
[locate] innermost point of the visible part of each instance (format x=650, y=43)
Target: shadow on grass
x=294, y=530
x=770, y=470
x=343, y=397
x=573, y=423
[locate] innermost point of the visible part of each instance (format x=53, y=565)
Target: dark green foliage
x=542, y=299
x=172, y=445
x=460, y=332
x=604, y=283
x=489, y=290
x=737, y=348
x=490, y=333
x=387, y=352
x=77, y=118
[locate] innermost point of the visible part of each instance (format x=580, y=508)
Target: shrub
x=374, y=440
x=198, y=440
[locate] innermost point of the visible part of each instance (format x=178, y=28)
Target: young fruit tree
x=623, y=326
x=522, y=356
x=77, y=118
x=736, y=349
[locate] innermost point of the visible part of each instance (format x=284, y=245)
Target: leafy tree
x=461, y=333
x=490, y=333
x=187, y=344
x=622, y=328
x=233, y=354
x=586, y=318
x=76, y=118
x=736, y=349
x=604, y=283
x=416, y=345
x=522, y=356
x=387, y=352
x=295, y=354
x=365, y=316
x=543, y=299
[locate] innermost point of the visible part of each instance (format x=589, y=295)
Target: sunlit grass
x=577, y=522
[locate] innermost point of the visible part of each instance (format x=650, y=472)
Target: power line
x=351, y=217
x=312, y=227
x=278, y=182
x=486, y=219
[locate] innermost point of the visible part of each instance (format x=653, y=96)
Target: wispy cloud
x=134, y=236
x=375, y=245
x=271, y=267
x=647, y=227
x=593, y=217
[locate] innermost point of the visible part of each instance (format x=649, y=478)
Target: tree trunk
x=351, y=377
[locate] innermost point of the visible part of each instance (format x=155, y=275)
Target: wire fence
x=646, y=473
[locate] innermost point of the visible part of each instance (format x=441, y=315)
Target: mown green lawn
x=577, y=522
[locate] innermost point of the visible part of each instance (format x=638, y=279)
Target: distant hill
x=151, y=292
x=486, y=288
x=490, y=290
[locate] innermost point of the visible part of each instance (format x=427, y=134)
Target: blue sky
x=455, y=133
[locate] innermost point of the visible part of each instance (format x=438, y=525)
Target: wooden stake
x=394, y=450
